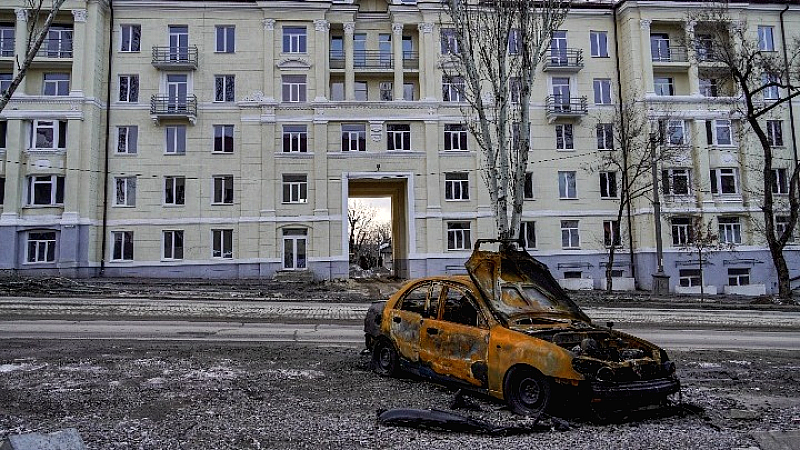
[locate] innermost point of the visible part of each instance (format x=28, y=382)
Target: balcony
x=566, y=60
x=561, y=107
x=670, y=55
x=170, y=107
x=364, y=60
x=55, y=49
x=175, y=58
x=410, y=60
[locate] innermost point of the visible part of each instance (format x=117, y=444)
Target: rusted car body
x=510, y=331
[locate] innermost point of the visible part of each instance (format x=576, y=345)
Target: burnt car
x=508, y=330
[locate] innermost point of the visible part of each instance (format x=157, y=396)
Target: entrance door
x=177, y=91
x=178, y=43
x=294, y=248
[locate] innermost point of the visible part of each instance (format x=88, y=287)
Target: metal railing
x=670, y=54
x=175, y=56
x=55, y=48
x=410, y=60
x=566, y=105
x=569, y=58
x=166, y=105
x=373, y=59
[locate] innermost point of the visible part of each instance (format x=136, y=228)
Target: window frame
x=456, y=186
x=127, y=140
x=459, y=235
x=567, y=185
x=401, y=135
x=176, y=145
x=730, y=230
x=608, y=185
x=612, y=234
x=59, y=86
x=565, y=137
x=130, y=38
x=57, y=129
x=605, y=136
x=721, y=177
x=174, y=186
x=56, y=186
x=690, y=277
x=222, y=142
x=125, y=191
x=224, y=88
x=766, y=38
x=225, y=35
x=222, y=188
x=294, y=138
x=739, y=276
x=453, y=136
x=659, y=83
x=570, y=234
x=681, y=231
x=598, y=43
x=668, y=177
x=294, y=39
x=353, y=137
x=602, y=91
x=294, y=88
x=122, y=249
x=45, y=245
x=294, y=187
x=172, y=248
x=453, y=88
x=128, y=88
x=774, y=129
x=527, y=233
x=222, y=243
x=780, y=181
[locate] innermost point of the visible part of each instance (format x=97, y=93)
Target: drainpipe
x=104, y=228
x=786, y=64
x=623, y=138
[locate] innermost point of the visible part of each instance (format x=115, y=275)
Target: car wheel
x=527, y=391
x=384, y=358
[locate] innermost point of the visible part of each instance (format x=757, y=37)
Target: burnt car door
x=454, y=343
x=406, y=318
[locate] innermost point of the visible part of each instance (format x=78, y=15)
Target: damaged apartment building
x=223, y=139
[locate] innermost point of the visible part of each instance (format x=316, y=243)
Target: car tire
x=385, y=360
x=527, y=391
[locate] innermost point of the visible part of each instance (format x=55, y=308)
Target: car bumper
x=634, y=391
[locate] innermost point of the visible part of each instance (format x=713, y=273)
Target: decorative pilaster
x=78, y=52
x=322, y=61
x=691, y=51
x=349, y=75
x=269, y=84
x=647, y=57
x=397, y=54
x=21, y=44
x=427, y=59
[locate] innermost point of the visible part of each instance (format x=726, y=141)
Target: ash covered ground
x=199, y=395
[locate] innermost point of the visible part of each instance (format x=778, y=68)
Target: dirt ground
x=199, y=395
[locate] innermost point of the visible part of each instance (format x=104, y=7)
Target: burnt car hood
x=511, y=267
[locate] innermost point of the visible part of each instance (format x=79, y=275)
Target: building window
x=709, y=87
x=176, y=139
x=449, y=42
x=337, y=91
x=173, y=244
x=682, y=234
x=664, y=86
x=294, y=39
x=5, y=81
x=611, y=233
x=690, y=277
x=605, y=136
x=527, y=190
x=730, y=230
x=45, y=190
x=125, y=191
x=7, y=41
x=567, y=185
x=224, y=88
x=527, y=232
x=223, y=190
x=724, y=181
x=659, y=46
x=455, y=137
x=295, y=139
x=770, y=82
x=765, y=40
x=676, y=181
x=780, y=182
x=386, y=89
x=129, y=88
x=513, y=41
x=408, y=92
x=56, y=84
x=602, y=91
x=599, y=43
x=131, y=38
x=59, y=42
x=122, y=246
x=2, y=189
x=719, y=132
x=41, y=246
x=775, y=133
x=174, y=190
x=738, y=276
x=48, y=134
x=294, y=88
x=398, y=136
x=781, y=225
x=223, y=138
x=361, y=91
x=452, y=89
x=354, y=137
x=226, y=38
x=608, y=184
x=570, y=236
x=456, y=186
x=677, y=133
x=222, y=244
x=564, y=137
x=295, y=189
x=128, y=139
x=294, y=248
x=514, y=89
x=458, y=236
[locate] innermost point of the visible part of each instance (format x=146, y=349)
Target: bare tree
x=766, y=81
x=631, y=145
x=359, y=219
x=37, y=32
x=492, y=50
x=703, y=240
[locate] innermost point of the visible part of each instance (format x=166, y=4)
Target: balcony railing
x=670, y=54
x=558, y=106
x=55, y=48
x=167, y=106
x=177, y=58
x=570, y=60
x=411, y=60
x=373, y=59
x=6, y=48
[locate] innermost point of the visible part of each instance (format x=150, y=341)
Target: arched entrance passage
x=397, y=187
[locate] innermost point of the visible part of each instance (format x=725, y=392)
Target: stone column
x=269, y=60
x=647, y=57
x=691, y=52
x=319, y=133
x=397, y=54
x=21, y=44
x=78, y=52
x=427, y=63
x=433, y=224
x=322, y=60
x=15, y=178
x=349, y=76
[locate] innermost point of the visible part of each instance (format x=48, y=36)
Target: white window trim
x=223, y=254
x=128, y=193
x=221, y=182
x=122, y=249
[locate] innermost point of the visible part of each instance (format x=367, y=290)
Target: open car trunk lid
x=510, y=265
